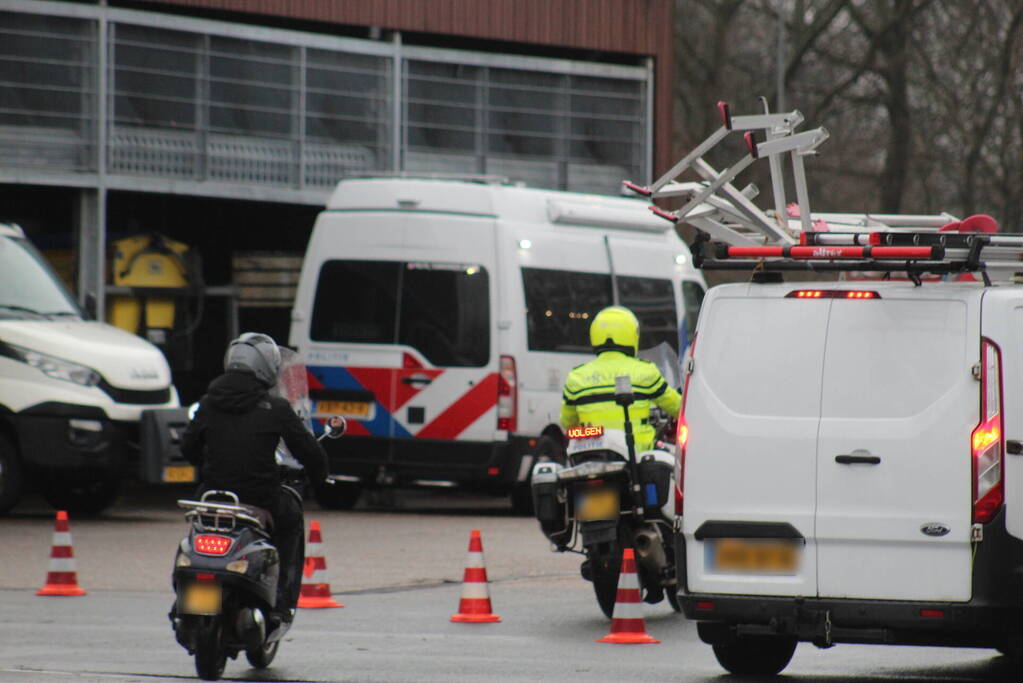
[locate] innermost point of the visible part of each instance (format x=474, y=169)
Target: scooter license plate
x=755, y=556
x=179, y=474
x=201, y=597
x=596, y=504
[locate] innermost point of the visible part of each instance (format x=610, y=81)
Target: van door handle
x=416, y=380
x=1014, y=447
x=857, y=459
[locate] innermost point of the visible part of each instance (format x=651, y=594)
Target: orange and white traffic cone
x=61, y=578
x=627, y=625
x=474, y=606
x=315, y=591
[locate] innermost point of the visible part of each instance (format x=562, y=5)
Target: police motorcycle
x=226, y=569
x=607, y=497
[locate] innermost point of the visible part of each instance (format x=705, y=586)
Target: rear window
x=560, y=305
x=440, y=309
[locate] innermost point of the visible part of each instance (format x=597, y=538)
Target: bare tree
x=924, y=98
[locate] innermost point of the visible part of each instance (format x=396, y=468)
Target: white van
x=845, y=469
x=72, y=391
x=442, y=316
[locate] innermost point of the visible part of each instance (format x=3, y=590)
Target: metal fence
x=148, y=96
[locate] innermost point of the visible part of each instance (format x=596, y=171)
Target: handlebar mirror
x=336, y=426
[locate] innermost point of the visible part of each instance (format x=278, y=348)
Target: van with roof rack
x=850, y=461
x=440, y=316
x=73, y=392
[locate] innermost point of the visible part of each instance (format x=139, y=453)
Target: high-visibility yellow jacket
x=589, y=396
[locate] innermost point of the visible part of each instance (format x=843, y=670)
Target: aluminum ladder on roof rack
x=749, y=238
x=716, y=206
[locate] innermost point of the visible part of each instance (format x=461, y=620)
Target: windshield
x=28, y=287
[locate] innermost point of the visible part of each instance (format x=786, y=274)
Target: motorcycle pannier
x=550, y=508
x=655, y=482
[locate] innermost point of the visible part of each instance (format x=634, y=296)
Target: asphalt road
x=398, y=572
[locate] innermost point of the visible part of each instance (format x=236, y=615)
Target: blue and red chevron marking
x=383, y=422
x=391, y=395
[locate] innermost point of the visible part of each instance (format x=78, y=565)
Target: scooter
x=225, y=576
x=609, y=498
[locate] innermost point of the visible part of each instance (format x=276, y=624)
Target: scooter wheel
x=261, y=657
x=210, y=655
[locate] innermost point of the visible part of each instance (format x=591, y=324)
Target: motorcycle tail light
x=212, y=544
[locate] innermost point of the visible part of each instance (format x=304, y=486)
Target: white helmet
x=255, y=353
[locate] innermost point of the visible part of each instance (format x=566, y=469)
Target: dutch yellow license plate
x=179, y=474
x=201, y=597
x=353, y=409
x=596, y=504
x=755, y=556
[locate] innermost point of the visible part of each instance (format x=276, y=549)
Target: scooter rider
x=589, y=394
x=232, y=439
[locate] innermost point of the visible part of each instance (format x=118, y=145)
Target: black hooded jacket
x=233, y=436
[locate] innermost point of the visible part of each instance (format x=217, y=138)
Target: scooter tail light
x=987, y=442
x=212, y=544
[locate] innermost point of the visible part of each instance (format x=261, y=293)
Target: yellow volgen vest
x=589, y=396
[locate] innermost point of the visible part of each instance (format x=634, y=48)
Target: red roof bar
x=829, y=252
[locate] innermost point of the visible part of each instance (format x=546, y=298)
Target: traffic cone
x=474, y=606
x=627, y=624
x=61, y=579
x=315, y=591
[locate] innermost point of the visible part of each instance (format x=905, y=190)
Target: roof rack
x=483, y=178
x=735, y=234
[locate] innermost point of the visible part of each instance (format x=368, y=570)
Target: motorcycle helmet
x=255, y=353
x=615, y=328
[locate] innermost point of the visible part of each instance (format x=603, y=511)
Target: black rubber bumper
x=825, y=622
x=49, y=439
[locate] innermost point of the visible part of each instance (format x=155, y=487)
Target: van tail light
x=507, y=395
x=987, y=443
x=682, y=438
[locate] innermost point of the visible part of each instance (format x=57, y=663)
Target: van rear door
x=898, y=405
x=415, y=329
x=753, y=408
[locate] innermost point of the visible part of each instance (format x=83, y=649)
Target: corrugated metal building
x=224, y=124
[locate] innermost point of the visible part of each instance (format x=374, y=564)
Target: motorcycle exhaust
x=650, y=550
x=251, y=627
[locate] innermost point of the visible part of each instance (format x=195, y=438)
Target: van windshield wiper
x=22, y=309
x=32, y=311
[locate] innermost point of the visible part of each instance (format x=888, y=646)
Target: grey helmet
x=256, y=353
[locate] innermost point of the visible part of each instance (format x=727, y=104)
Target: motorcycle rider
x=589, y=394
x=232, y=439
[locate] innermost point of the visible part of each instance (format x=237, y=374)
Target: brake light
x=831, y=294
x=212, y=545
x=682, y=433
x=987, y=442
x=681, y=439
x=507, y=395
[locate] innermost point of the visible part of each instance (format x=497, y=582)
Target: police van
x=441, y=316
x=850, y=462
